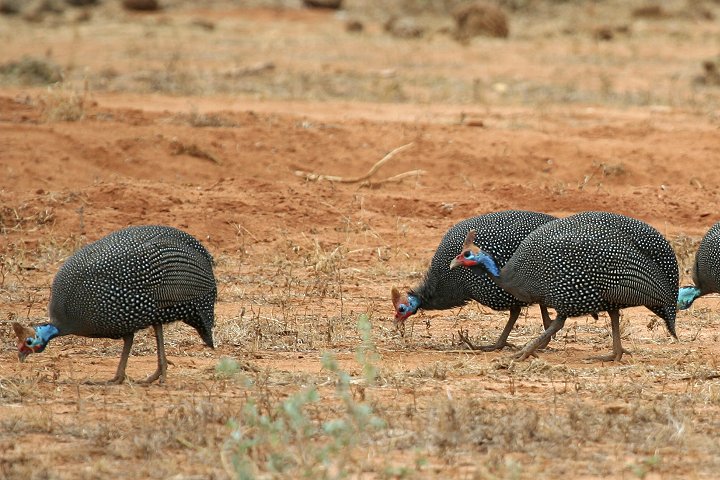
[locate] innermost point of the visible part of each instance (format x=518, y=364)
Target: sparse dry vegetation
x=60, y=105
x=250, y=65
x=31, y=71
x=275, y=408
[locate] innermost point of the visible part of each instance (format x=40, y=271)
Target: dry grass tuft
x=60, y=105
x=31, y=71
x=202, y=120
x=24, y=216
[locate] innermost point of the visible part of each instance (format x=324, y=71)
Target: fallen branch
x=364, y=179
x=396, y=178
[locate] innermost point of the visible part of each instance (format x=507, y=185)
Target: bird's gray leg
x=618, y=350
x=120, y=372
x=530, y=347
x=547, y=321
x=162, y=360
x=502, y=341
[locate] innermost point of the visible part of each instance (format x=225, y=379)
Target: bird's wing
x=638, y=281
x=183, y=274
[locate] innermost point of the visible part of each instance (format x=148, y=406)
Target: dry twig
x=364, y=179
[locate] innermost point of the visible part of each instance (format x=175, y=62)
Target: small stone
x=329, y=4
x=404, y=27
x=354, y=26
x=141, y=5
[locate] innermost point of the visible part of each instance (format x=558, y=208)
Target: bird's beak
x=23, y=333
x=22, y=355
x=456, y=263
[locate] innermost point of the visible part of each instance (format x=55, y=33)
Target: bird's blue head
x=472, y=256
x=405, y=304
x=33, y=341
x=686, y=296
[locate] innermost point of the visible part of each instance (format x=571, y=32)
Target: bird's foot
x=611, y=357
x=158, y=375
x=152, y=378
x=524, y=354
x=116, y=380
x=493, y=347
x=465, y=338
x=531, y=347
x=544, y=345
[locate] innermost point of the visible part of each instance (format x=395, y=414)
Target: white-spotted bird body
x=706, y=269
x=584, y=264
x=133, y=278
x=443, y=288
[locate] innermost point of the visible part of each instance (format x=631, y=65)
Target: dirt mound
x=652, y=11
x=480, y=18
x=711, y=73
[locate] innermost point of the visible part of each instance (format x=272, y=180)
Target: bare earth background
x=199, y=117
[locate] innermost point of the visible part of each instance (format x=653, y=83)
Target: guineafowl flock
x=583, y=264
x=499, y=233
x=591, y=262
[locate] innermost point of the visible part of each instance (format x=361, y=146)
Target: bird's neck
x=686, y=296
x=46, y=332
x=488, y=266
x=414, y=302
x=437, y=293
x=488, y=263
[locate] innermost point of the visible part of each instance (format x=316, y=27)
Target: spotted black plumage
x=706, y=269
x=131, y=279
x=441, y=288
x=590, y=262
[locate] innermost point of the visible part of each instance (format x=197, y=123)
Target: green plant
x=647, y=465
x=292, y=439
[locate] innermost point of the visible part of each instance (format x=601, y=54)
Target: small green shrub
x=293, y=441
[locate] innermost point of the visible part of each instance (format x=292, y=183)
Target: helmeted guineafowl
x=442, y=288
x=586, y=263
x=131, y=279
x=706, y=271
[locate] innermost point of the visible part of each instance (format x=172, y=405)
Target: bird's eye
x=466, y=254
x=402, y=308
x=29, y=342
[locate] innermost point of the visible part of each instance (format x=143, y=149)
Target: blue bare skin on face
x=472, y=256
x=686, y=296
x=480, y=258
x=36, y=344
x=405, y=309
